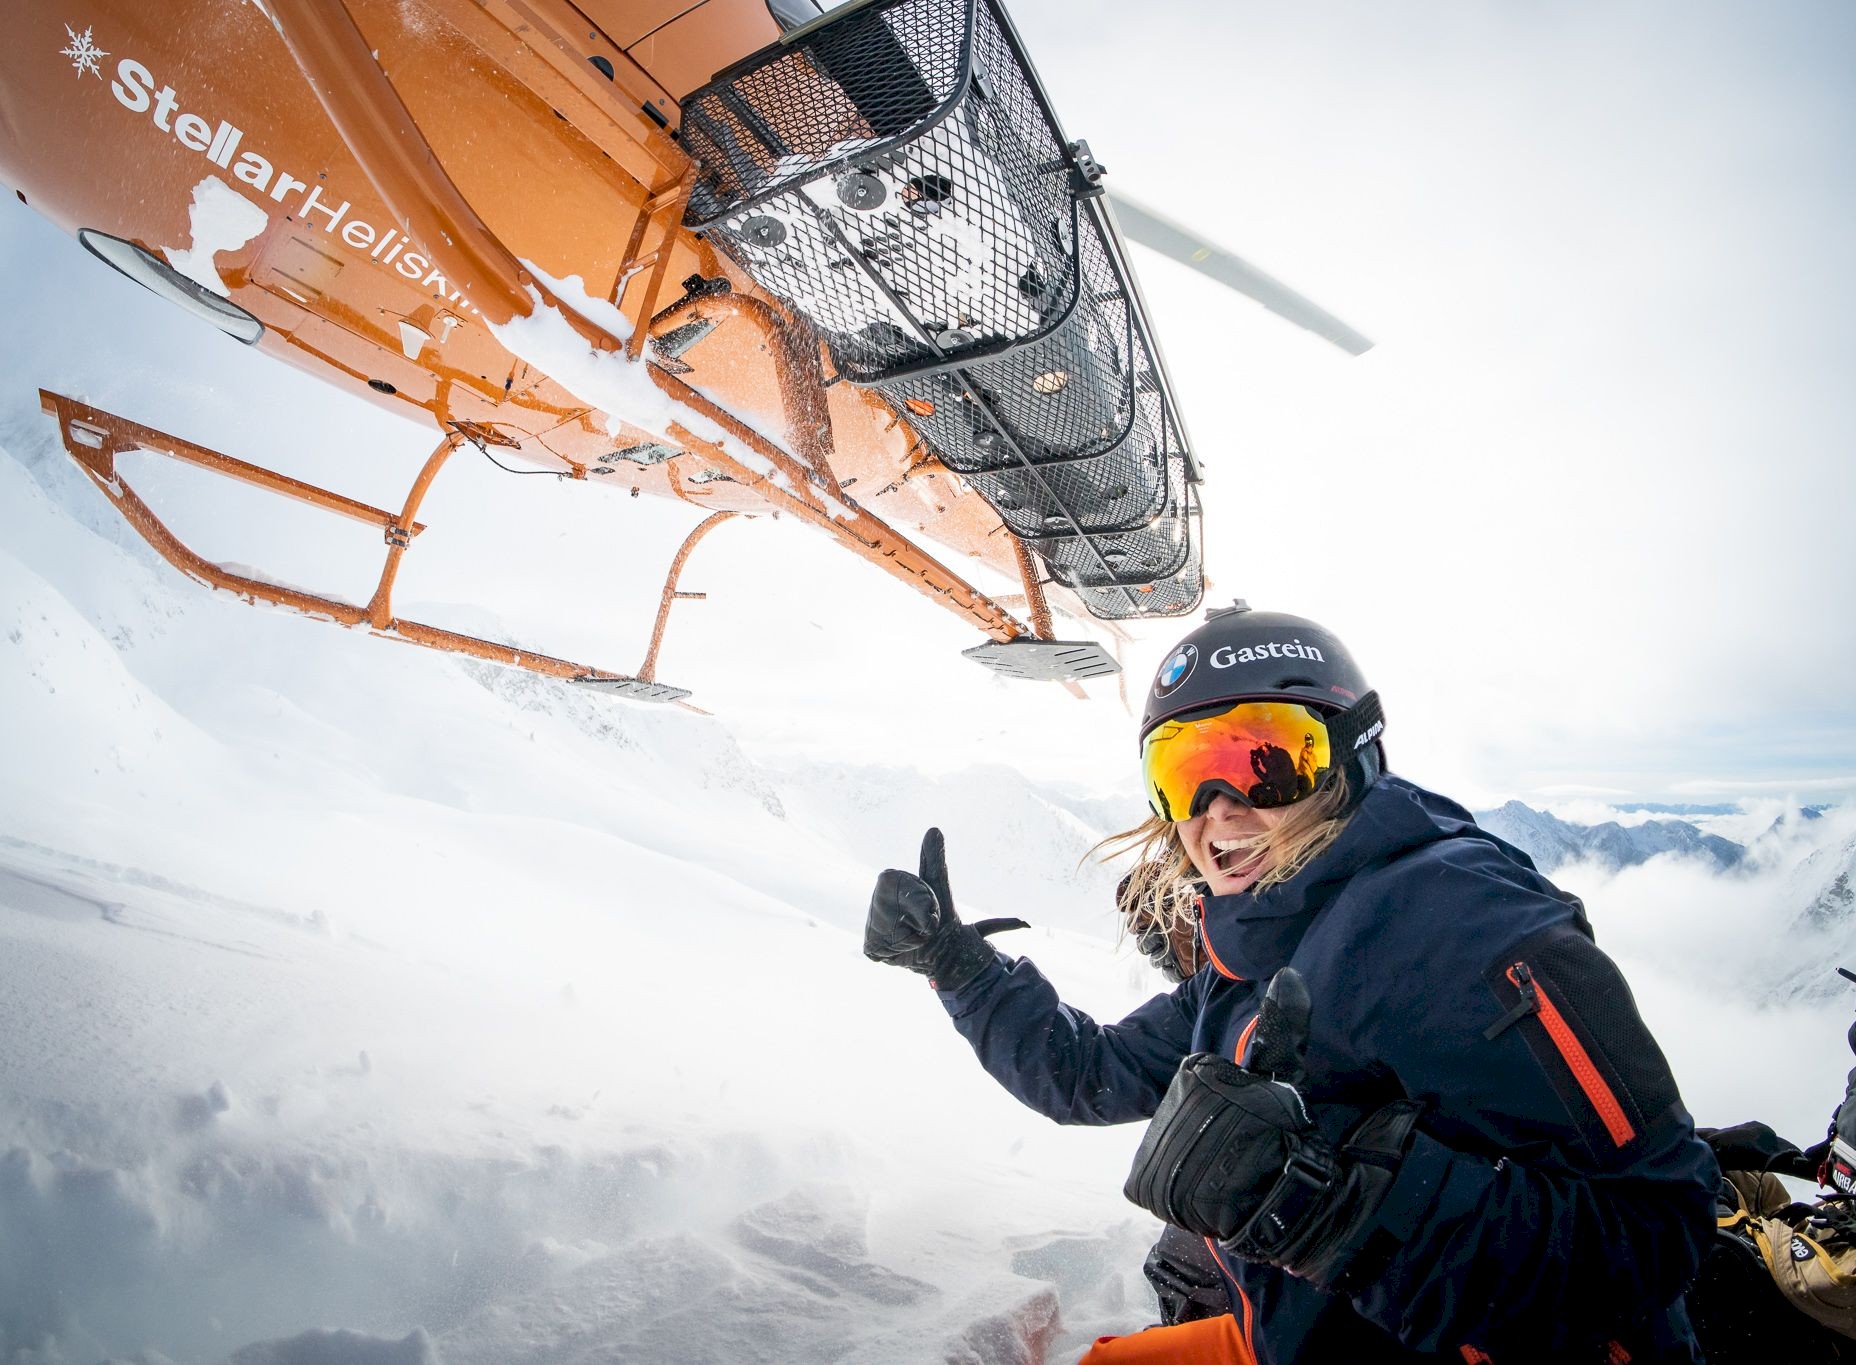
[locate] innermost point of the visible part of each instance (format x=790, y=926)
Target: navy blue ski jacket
x=1555, y=1202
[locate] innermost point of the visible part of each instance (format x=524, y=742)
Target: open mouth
x=1232, y=858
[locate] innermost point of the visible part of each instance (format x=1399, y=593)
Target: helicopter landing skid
x=95, y=438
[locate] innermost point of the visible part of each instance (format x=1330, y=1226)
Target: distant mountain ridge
x=1828, y=876
x=1804, y=878
x=1823, y=934
x=1552, y=842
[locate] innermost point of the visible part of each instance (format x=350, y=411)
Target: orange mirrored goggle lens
x=1264, y=752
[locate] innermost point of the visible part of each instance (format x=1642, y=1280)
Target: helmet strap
x=1351, y=742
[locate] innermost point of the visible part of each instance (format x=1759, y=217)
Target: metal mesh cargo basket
x=1174, y=596
x=1067, y=393
x=891, y=174
x=895, y=174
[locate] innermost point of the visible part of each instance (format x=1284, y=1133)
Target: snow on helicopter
x=841, y=265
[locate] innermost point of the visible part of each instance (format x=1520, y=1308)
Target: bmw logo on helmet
x=1176, y=669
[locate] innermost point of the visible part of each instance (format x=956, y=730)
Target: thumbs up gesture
x=912, y=923
x=1232, y=1154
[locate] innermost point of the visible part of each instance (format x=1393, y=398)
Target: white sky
x=1582, y=514
x=1584, y=511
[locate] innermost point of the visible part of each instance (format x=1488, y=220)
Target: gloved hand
x=1231, y=1153
x=1838, y=1170
x=1185, y=1279
x=912, y=923
x=1175, y=952
x=1835, y=1157
x=1756, y=1147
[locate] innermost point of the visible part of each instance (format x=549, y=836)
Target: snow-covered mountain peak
x=1553, y=842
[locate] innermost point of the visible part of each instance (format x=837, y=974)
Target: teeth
x=1226, y=845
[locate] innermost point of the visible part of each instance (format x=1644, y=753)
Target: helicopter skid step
x=1065, y=661
x=633, y=689
x=95, y=438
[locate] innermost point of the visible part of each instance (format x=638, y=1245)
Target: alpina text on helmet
x=1274, y=649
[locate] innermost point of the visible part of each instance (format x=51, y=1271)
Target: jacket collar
x=1251, y=935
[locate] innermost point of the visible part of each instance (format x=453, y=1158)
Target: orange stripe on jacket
x=1243, y=1039
x=1206, y=940
x=1209, y=1341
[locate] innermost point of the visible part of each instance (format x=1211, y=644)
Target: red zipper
x=1584, y=1070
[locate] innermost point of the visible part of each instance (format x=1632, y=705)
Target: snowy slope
x=364, y=1005
x=351, y=989
x=371, y=1007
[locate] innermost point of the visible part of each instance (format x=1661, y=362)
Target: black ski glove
x=1836, y=1154
x=1157, y=948
x=912, y=923
x=1185, y=1279
x=1756, y=1147
x=1837, y=1169
x=1175, y=954
x=1232, y=1155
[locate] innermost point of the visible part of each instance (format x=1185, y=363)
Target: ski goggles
x=1262, y=753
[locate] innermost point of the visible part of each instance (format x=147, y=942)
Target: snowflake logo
x=85, y=55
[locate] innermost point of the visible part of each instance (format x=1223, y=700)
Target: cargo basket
x=895, y=174
x=1067, y=393
x=1069, y=432
x=892, y=174
x=1174, y=596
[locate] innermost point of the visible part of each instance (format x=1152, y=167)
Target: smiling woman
x=1229, y=846
x=1408, y=1105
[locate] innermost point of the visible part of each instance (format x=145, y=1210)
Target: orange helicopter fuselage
x=199, y=131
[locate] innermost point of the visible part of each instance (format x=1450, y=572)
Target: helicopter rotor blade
x=1160, y=233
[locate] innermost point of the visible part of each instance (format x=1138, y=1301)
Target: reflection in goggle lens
x=1267, y=754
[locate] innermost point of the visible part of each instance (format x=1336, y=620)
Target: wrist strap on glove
x=1311, y=1221
x=958, y=954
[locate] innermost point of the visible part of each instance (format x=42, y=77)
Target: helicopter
x=761, y=257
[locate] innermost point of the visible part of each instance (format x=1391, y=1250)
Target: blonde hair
x=1161, y=888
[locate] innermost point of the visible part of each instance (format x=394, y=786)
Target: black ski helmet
x=1245, y=655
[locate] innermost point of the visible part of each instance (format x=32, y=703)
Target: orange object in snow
x=1209, y=1341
